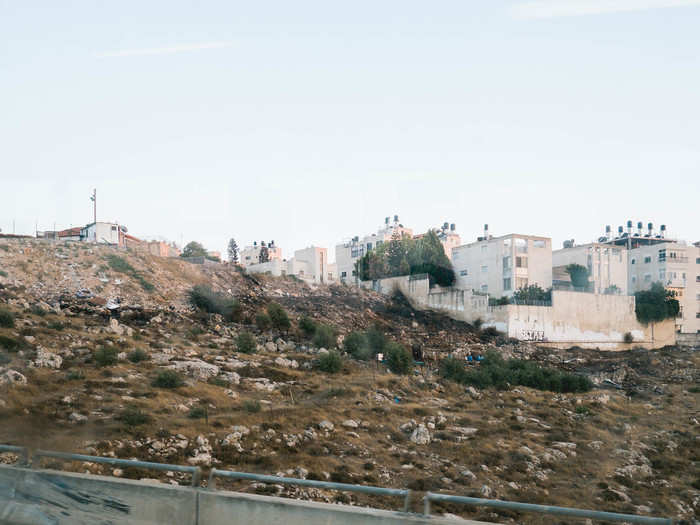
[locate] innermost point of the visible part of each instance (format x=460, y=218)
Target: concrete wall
x=65, y=498
x=586, y=320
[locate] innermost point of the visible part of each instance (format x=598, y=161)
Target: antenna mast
x=93, y=198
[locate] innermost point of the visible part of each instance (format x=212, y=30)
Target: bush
x=168, y=379
x=7, y=319
x=325, y=337
x=629, y=338
x=263, y=321
x=656, y=304
x=197, y=413
x=75, y=375
x=398, y=359
x=376, y=340
x=307, y=326
x=38, y=310
x=106, y=356
x=121, y=265
x=496, y=372
x=56, y=325
x=133, y=416
x=10, y=343
x=138, y=355
x=330, y=362
x=252, y=406
x=357, y=346
x=278, y=316
x=246, y=343
x=205, y=299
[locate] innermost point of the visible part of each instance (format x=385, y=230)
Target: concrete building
x=309, y=264
x=349, y=252
x=163, y=249
x=501, y=265
x=250, y=255
x=607, y=266
x=104, y=233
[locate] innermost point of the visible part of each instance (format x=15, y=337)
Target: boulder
x=350, y=423
x=196, y=368
x=421, y=435
x=12, y=377
x=46, y=359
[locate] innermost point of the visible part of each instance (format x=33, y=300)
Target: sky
x=308, y=122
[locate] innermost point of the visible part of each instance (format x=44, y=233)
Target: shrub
x=75, y=375
x=133, y=416
x=656, y=304
x=56, y=325
x=138, y=355
x=205, y=299
x=496, y=372
x=578, y=274
x=252, y=406
x=278, y=316
x=398, y=359
x=307, y=326
x=325, y=336
x=106, y=356
x=263, y=321
x=376, y=340
x=246, y=343
x=357, y=346
x=10, y=343
x=38, y=310
x=7, y=319
x=121, y=265
x=168, y=379
x=197, y=413
x=629, y=338
x=330, y=362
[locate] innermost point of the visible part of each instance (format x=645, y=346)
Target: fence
x=33, y=459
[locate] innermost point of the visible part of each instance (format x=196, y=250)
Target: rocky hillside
x=101, y=353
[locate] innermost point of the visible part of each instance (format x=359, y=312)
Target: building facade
x=499, y=266
x=606, y=264
x=104, y=233
x=310, y=265
x=250, y=255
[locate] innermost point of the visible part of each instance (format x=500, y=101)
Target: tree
x=193, y=249
x=278, y=316
x=578, y=274
x=264, y=255
x=233, y=251
x=532, y=293
x=656, y=304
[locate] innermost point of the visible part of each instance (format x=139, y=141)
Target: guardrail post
x=196, y=477
x=426, y=504
x=407, y=501
x=24, y=458
x=211, y=484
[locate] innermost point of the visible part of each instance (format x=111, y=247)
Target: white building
x=501, y=265
x=607, y=266
x=250, y=255
x=309, y=264
x=348, y=253
x=104, y=233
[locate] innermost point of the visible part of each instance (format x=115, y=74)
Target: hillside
x=94, y=328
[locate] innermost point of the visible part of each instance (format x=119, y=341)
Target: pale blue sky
x=308, y=122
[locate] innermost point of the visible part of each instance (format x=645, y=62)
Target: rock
x=326, y=426
x=230, y=393
x=408, y=427
x=421, y=435
x=12, y=377
x=46, y=359
x=561, y=445
x=468, y=474
x=196, y=368
x=595, y=445
x=286, y=363
x=474, y=393
x=486, y=491
x=603, y=399
x=77, y=418
x=350, y=423
x=232, y=377
x=115, y=328
x=270, y=346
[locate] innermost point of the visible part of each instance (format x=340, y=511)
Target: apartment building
x=250, y=255
x=501, y=265
x=309, y=264
x=348, y=253
x=606, y=264
x=448, y=236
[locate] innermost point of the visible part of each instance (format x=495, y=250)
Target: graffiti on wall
x=532, y=335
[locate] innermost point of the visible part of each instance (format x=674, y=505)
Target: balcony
x=674, y=260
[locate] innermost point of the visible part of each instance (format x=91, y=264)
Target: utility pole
x=93, y=198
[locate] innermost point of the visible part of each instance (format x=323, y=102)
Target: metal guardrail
x=22, y=451
x=543, y=509
x=346, y=487
x=195, y=471
x=24, y=454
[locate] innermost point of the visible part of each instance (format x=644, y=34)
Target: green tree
x=193, y=249
x=532, y=293
x=325, y=336
x=278, y=316
x=578, y=274
x=398, y=359
x=246, y=343
x=656, y=304
x=233, y=251
x=356, y=345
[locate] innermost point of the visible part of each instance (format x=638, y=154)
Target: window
x=697, y=297
x=662, y=255
x=633, y=261
x=484, y=287
x=697, y=261
x=484, y=269
x=647, y=260
x=520, y=282
x=647, y=278
x=484, y=248
x=616, y=251
x=463, y=273
x=506, y=263
x=521, y=245
x=521, y=262
x=301, y=272
x=356, y=252
x=634, y=278
x=343, y=274
x=506, y=284
x=662, y=275
x=697, y=316
x=369, y=246
x=114, y=228
x=539, y=244
x=507, y=243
